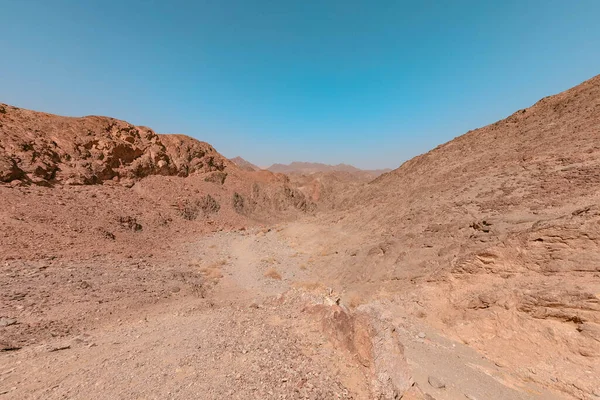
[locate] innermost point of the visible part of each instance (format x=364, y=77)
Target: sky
x=369, y=83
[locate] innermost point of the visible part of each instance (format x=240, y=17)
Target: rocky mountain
x=45, y=149
x=243, y=164
x=307, y=168
x=494, y=238
x=328, y=186
x=99, y=177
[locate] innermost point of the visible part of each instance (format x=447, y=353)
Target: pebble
x=422, y=335
x=12, y=389
x=7, y=321
x=436, y=383
x=59, y=347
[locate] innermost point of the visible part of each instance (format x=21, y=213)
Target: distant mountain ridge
x=311, y=168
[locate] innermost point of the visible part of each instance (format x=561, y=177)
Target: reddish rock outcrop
x=46, y=149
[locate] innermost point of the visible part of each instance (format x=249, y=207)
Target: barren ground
x=230, y=319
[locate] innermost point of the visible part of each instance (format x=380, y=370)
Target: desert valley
x=143, y=265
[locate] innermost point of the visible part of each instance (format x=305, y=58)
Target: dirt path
x=243, y=340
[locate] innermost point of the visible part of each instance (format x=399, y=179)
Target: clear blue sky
x=371, y=83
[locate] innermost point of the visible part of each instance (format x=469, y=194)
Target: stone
x=436, y=383
x=59, y=347
x=7, y=321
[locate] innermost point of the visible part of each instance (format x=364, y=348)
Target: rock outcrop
x=373, y=342
x=46, y=149
x=496, y=233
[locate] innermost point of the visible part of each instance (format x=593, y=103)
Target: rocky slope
x=328, y=186
x=46, y=149
x=493, y=238
x=330, y=190
x=97, y=185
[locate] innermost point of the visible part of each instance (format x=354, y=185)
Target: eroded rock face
x=46, y=149
x=375, y=344
x=8, y=169
x=496, y=236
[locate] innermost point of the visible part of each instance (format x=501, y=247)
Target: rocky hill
x=243, y=164
x=494, y=237
x=307, y=168
x=328, y=186
x=46, y=149
x=100, y=185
